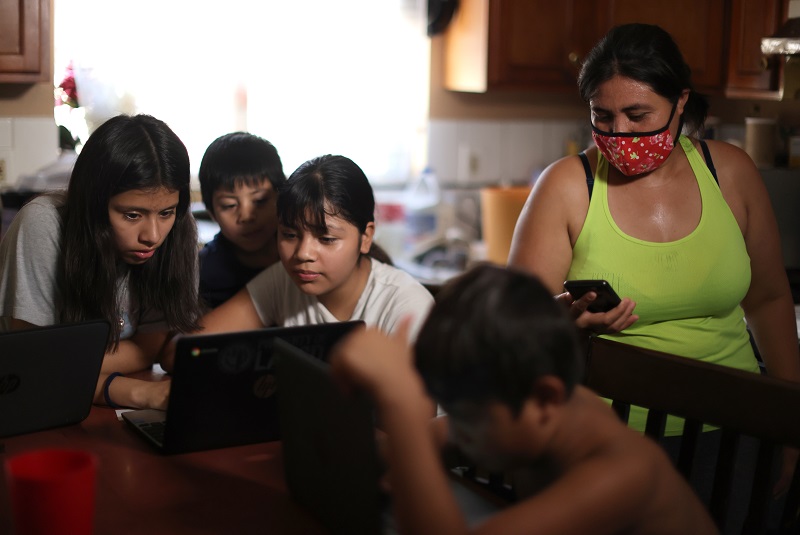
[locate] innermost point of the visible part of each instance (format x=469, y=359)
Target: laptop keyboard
x=154, y=430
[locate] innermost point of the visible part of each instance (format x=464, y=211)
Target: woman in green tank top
x=689, y=240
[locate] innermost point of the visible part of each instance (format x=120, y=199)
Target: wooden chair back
x=738, y=402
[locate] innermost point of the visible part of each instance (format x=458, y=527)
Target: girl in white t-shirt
x=330, y=269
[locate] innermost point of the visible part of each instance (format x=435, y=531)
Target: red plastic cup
x=52, y=491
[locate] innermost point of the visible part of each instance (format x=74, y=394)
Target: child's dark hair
x=238, y=158
x=648, y=54
x=491, y=334
x=128, y=153
x=328, y=185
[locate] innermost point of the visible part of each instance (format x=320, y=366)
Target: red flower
x=67, y=92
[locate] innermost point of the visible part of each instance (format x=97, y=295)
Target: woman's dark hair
x=491, y=334
x=238, y=158
x=128, y=153
x=328, y=185
x=648, y=54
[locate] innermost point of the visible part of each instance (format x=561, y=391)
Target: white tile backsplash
x=497, y=152
x=482, y=143
x=27, y=144
x=443, y=148
x=5, y=133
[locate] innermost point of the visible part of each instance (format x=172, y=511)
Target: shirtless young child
x=501, y=357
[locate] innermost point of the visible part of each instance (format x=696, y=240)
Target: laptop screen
x=224, y=387
x=48, y=375
x=329, y=452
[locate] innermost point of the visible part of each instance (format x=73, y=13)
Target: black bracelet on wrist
x=106, y=385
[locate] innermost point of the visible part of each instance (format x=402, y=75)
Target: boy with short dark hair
x=240, y=175
x=502, y=358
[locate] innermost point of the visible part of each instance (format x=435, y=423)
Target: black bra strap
x=590, y=177
x=709, y=162
x=588, y=168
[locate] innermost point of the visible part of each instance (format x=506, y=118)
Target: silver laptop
x=48, y=375
x=224, y=386
x=329, y=453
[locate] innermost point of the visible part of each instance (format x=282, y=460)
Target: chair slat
x=656, y=424
x=689, y=442
x=762, y=488
x=623, y=410
x=723, y=477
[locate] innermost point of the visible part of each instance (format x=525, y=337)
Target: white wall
x=26, y=144
x=472, y=152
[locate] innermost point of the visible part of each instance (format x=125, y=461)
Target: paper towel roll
x=500, y=208
x=759, y=140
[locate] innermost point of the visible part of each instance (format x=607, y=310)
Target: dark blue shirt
x=221, y=273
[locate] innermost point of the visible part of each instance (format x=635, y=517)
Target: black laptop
x=223, y=390
x=48, y=375
x=330, y=456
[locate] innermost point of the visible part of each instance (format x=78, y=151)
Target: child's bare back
x=611, y=480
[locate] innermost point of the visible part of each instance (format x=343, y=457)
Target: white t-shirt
x=389, y=295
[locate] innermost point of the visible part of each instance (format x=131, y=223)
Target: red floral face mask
x=638, y=152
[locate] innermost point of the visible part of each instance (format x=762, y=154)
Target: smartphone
x=606, y=299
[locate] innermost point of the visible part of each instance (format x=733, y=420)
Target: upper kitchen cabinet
x=24, y=41
x=540, y=44
x=697, y=27
x=519, y=44
x=750, y=73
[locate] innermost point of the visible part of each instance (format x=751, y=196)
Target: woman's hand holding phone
x=617, y=314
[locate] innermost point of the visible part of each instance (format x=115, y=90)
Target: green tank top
x=687, y=292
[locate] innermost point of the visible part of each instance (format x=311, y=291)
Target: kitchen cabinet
x=539, y=45
x=24, y=41
x=750, y=73
x=519, y=44
x=698, y=27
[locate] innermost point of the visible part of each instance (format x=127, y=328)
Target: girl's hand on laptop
x=136, y=393
x=151, y=394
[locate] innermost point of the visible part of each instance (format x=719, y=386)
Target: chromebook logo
x=9, y=383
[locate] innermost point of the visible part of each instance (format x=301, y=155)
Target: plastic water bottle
x=421, y=202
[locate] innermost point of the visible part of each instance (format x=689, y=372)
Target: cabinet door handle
x=764, y=63
x=574, y=59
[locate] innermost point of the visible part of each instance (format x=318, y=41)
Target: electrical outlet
x=467, y=163
x=2, y=170
x=473, y=163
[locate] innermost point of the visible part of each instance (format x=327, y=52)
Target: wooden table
x=233, y=490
